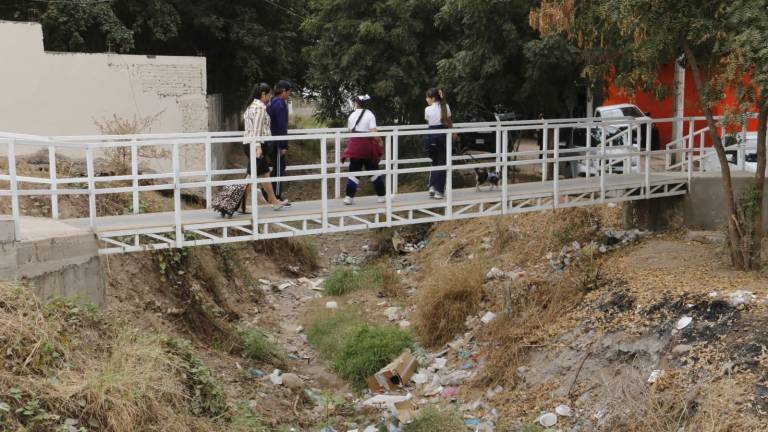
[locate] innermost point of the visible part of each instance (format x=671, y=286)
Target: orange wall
x=647, y=102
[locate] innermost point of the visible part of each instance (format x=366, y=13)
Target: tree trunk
x=738, y=260
x=757, y=231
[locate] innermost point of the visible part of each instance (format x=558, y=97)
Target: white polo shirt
x=367, y=123
x=432, y=114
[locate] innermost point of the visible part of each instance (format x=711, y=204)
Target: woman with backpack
x=364, y=153
x=438, y=116
x=257, y=124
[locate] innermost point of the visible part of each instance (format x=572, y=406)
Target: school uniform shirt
x=278, y=115
x=367, y=123
x=433, y=116
x=257, y=121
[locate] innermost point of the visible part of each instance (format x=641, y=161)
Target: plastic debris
x=392, y=313
x=738, y=298
x=420, y=378
x=276, y=377
x=449, y=392
x=473, y=422
x=563, y=410
x=439, y=363
x=455, y=378
x=548, y=419
x=331, y=305
x=655, y=375
x=683, y=322
x=256, y=373
x=488, y=317
x=404, y=324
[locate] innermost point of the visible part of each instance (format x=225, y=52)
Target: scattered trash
x=328, y=429
x=488, y=317
x=331, y=305
x=655, y=375
x=449, y=392
x=395, y=374
x=404, y=324
x=439, y=363
x=473, y=422
x=405, y=411
x=455, y=378
x=738, y=298
x=299, y=329
x=256, y=373
x=284, y=285
x=276, y=377
x=548, y=420
x=392, y=313
x=371, y=428
x=681, y=349
x=420, y=378
x=495, y=273
x=683, y=322
x=563, y=410
x=492, y=392
x=313, y=395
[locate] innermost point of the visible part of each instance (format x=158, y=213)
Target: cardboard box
x=395, y=374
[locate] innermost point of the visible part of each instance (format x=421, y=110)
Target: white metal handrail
x=626, y=159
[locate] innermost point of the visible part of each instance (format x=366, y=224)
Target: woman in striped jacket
x=257, y=125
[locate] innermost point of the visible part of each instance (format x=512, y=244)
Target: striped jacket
x=256, y=121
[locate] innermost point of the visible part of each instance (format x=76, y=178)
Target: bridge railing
x=609, y=147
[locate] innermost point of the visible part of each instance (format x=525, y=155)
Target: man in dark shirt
x=278, y=114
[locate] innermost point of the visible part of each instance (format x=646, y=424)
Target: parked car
x=482, y=141
x=617, y=145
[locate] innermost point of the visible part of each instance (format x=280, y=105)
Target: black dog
x=482, y=176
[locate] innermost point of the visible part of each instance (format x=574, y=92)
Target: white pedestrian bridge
x=566, y=169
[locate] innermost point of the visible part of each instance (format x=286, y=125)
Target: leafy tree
x=633, y=40
x=385, y=48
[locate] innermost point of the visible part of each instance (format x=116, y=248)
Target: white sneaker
x=438, y=195
x=348, y=200
x=381, y=199
x=432, y=191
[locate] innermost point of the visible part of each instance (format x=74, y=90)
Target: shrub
x=342, y=281
x=430, y=419
x=444, y=303
x=369, y=349
x=256, y=346
x=327, y=329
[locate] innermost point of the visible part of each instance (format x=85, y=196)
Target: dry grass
x=679, y=401
x=62, y=361
x=453, y=293
x=535, y=308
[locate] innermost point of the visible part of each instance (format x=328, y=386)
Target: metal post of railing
x=556, y=169
x=648, y=131
x=208, y=169
x=742, y=145
x=498, y=146
x=587, y=155
x=177, y=196
x=504, y=173
x=701, y=151
x=388, y=176
x=324, y=181
x=394, y=165
x=14, y=189
x=91, y=186
x=54, y=181
x=544, y=154
x=337, y=164
x=449, y=175
x=690, y=145
x=254, y=192
x=602, y=164
x=625, y=162
x=135, y=176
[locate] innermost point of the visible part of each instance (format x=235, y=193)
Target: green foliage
x=343, y=281
x=206, y=397
x=369, y=349
x=256, y=346
x=430, y=419
x=385, y=48
x=244, y=419
x=328, y=329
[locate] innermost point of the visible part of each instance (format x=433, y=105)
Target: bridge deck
x=367, y=204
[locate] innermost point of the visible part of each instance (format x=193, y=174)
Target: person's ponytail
x=445, y=118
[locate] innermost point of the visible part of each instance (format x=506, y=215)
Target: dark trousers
x=278, y=170
x=436, y=152
x=356, y=165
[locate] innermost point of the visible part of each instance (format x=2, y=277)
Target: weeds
x=430, y=419
x=296, y=251
x=256, y=346
x=327, y=329
x=369, y=349
x=377, y=277
x=446, y=300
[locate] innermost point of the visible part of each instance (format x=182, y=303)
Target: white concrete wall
x=46, y=93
